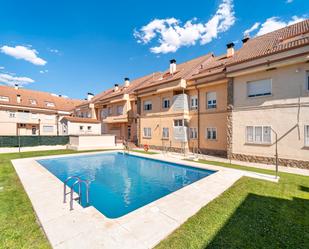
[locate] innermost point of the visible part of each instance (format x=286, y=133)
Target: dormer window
x=50, y=104
x=4, y=98
x=32, y=101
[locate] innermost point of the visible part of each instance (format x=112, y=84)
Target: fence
x=30, y=141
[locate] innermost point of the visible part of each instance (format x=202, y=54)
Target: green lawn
x=251, y=214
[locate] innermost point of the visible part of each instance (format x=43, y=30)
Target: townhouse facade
x=28, y=112
x=270, y=98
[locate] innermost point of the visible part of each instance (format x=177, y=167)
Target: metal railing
x=78, y=181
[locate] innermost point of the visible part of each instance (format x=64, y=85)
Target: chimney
x=126, y=82
x=173, y=66
x=16, y=87
x=230, y=49
x=116, y=88
x=89, y=96
x=18, y=98
x=245, y=39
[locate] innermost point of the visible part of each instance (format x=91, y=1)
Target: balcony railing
x=116, y=119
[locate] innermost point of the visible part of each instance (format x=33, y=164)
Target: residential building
x=80, y=126
x=165, y=104
x=29, y=112
x=269, y=98
x=117, y=109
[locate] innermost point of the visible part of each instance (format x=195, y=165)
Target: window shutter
x=259, y=88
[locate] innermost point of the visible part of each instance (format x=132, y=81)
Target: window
x=306, y=135
x=193, y=133
x=4, y=98
x=89, y=128
x=49, y=104
x=32, y=101
x=211, y=133
x=259, y=88
x=166, y=103
x=48, y=128
x=165, y=133
x=120, y=110
x=211, y=98
x=81, y=128
x=258, y=134
x=147, y=132
x=178, y=122
x=109, y=111
x=193, y=102
x=12, y=114
x=147, y=105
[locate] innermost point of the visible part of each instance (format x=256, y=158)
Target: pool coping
x=144, y=227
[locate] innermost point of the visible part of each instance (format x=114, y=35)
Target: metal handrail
x=78, y=181
x=65, y=186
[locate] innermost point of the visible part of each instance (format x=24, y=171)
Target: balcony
x=180, y=102
x=116, y=119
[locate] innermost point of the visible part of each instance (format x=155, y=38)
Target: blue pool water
x=121, y=183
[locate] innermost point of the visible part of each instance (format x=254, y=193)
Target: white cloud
x=1, y=68
x=171, y=35
x=24, y=53
x=43, y=71
x=274, y=23
x=253, y=27
x=12, y=80
x=288, y=1
x=56, y=51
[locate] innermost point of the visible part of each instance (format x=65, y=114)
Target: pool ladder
x=78, y=181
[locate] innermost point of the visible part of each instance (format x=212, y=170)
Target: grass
x=18, y=224
x=251, y=214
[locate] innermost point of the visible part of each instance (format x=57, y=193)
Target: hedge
x=29, y=141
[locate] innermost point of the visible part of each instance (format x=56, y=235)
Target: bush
x=29, y=141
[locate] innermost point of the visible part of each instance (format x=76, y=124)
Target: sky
x=74, y=47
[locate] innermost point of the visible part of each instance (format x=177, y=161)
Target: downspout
x=198, y=117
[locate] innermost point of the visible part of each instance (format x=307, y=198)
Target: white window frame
x=12, y=114
x=258, y=138
x=211, y=103
x=147, y=105
x=165, y=133
x=147, y=132
x=306, y=135
x=4, y=98
x=49, y=104
x=32, y=101
x=193, y=134
x=260, y=94
x=193, y=102
x=166, y=103
x=214, y=133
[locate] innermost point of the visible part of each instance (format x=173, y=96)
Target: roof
x=184, y=71
x=215, y=65
x=81, y=120
x=37, y=99
x=134, y=84
x=290, y=37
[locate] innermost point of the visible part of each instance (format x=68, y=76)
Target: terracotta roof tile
x=37, y=99
x=81, y=120
x=287, y=38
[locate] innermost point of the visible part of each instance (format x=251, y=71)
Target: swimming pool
x=121, y=183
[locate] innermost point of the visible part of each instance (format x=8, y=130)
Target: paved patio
x=142, y=228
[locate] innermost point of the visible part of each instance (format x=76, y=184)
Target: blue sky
x=75, y=47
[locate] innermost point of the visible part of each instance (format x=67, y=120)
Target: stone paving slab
x=143, y=228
